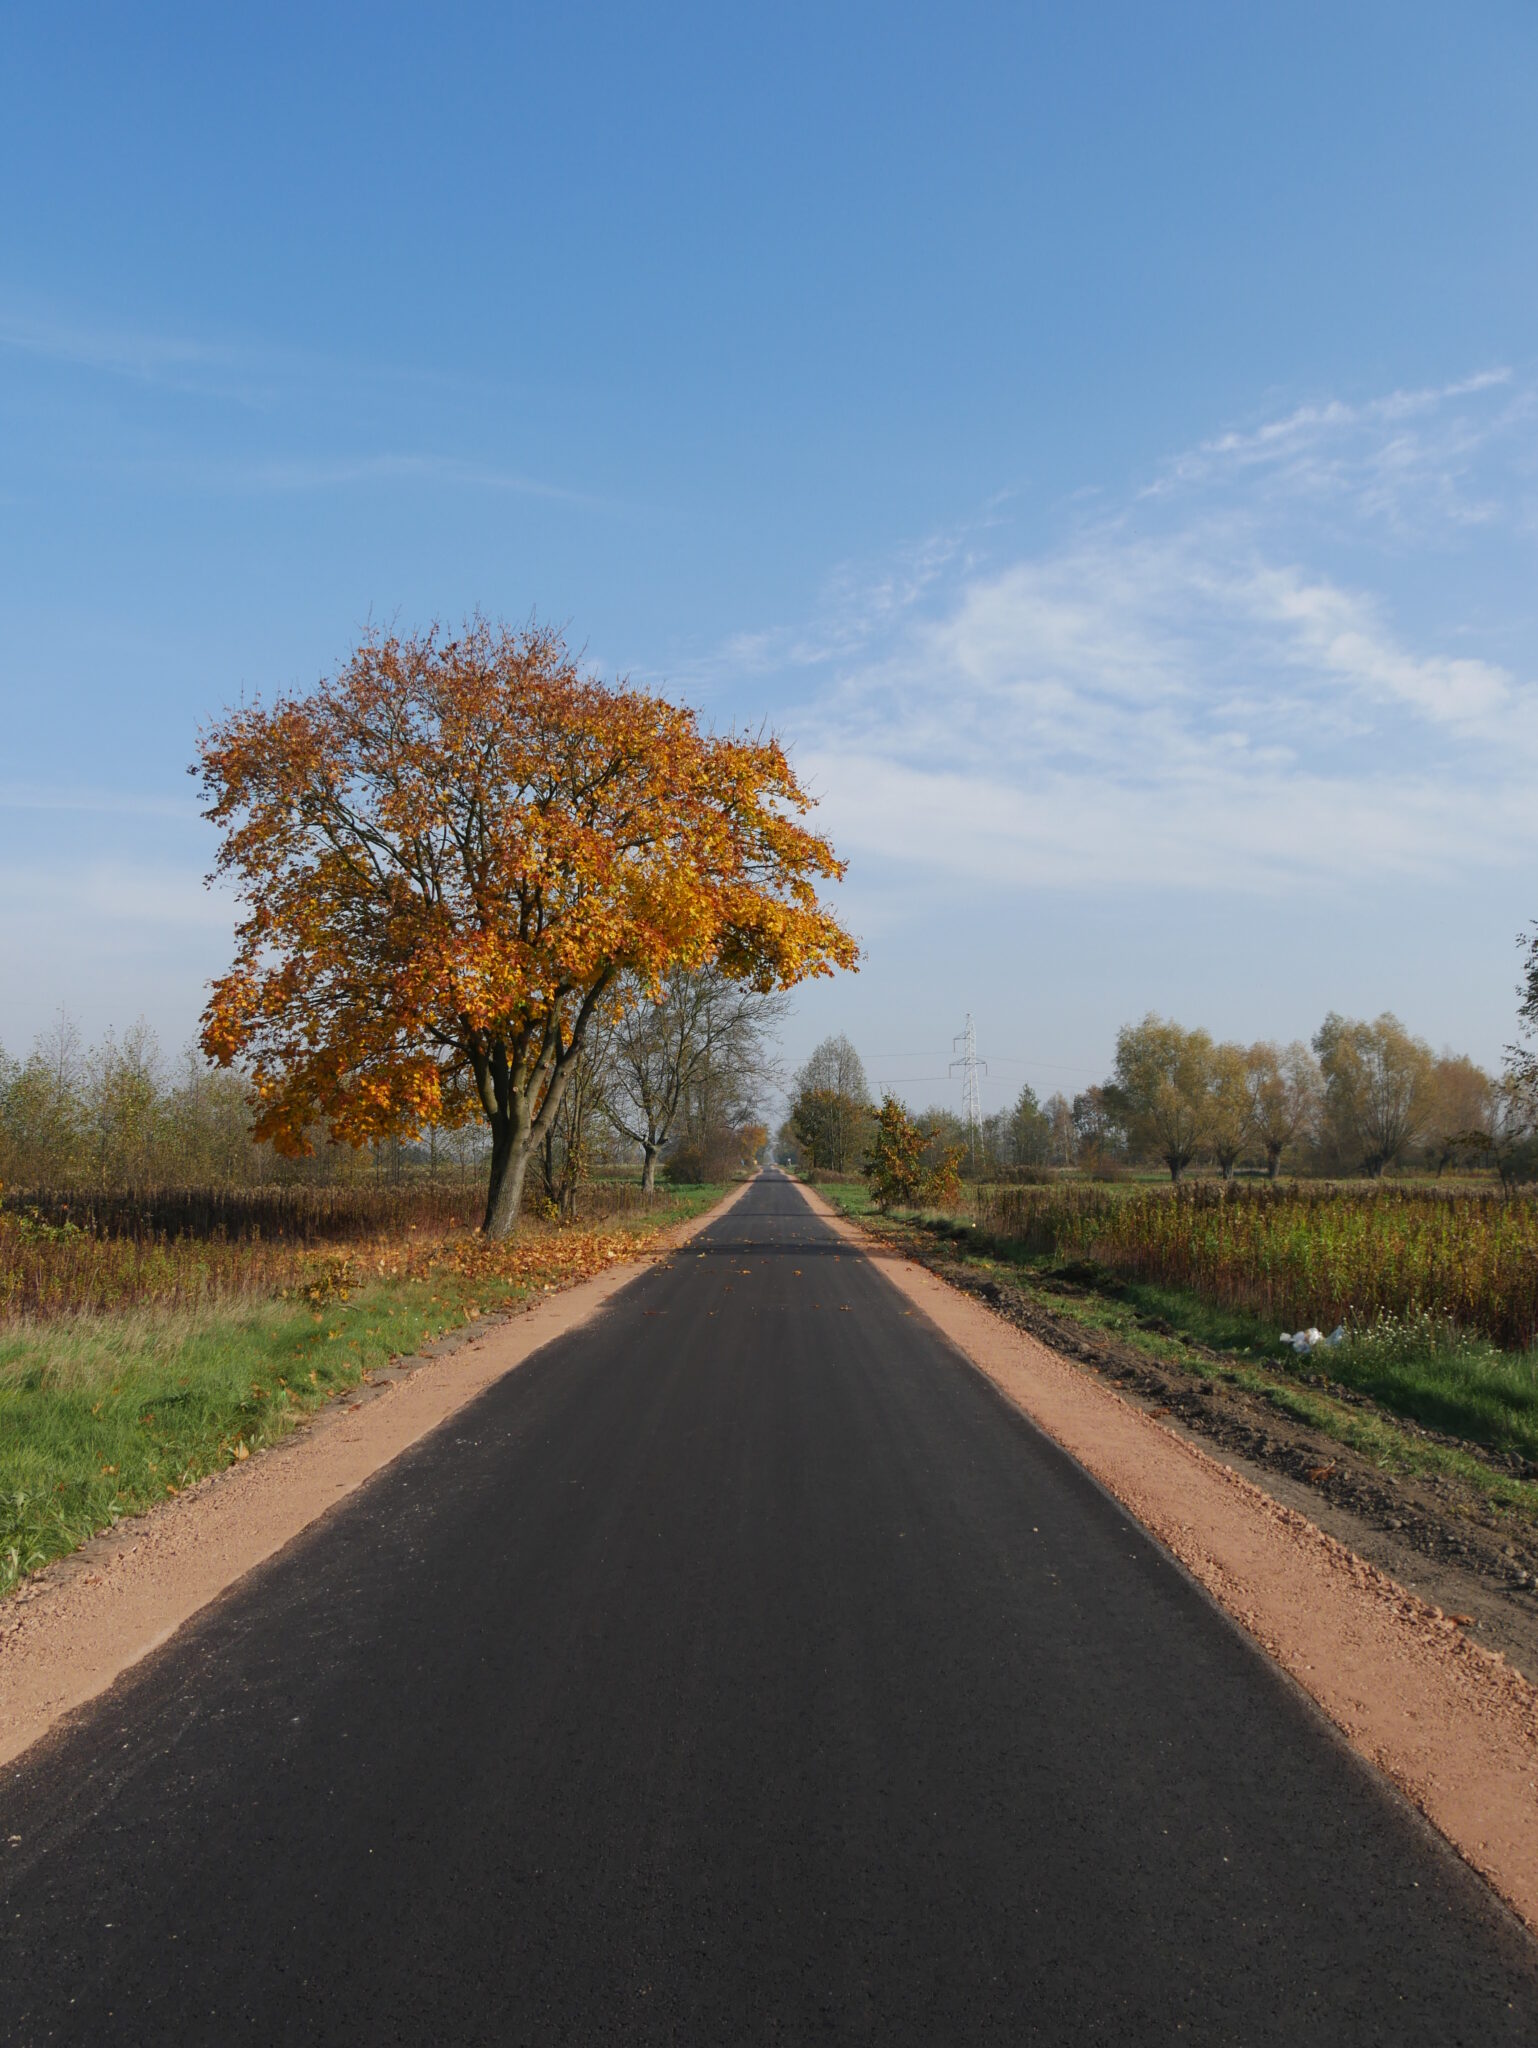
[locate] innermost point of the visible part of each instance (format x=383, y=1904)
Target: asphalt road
x=741, y=1668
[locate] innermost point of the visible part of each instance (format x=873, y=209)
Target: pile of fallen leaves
x=548, y=1256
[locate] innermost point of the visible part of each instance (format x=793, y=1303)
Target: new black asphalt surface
x=741, y=1668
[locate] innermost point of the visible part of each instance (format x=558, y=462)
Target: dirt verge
x=68, y=1632
x=1449, y=1722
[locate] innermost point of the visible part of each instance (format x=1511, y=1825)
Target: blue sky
x=1104, y=441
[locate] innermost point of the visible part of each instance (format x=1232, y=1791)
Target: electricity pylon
x=971, y=1066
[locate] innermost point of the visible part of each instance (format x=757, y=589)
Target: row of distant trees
x=670, y=1084
x=1363, y=1097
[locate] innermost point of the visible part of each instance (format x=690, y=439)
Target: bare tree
x=565, y=1156
x=699, y=1056
x=1509, y=1139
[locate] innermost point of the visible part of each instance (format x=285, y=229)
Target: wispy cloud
x=170, y=362
x=268, y=380
x=1409, y=461
x=23, y=796
x=1205, y=687
x=310, y=473
x=110, y=904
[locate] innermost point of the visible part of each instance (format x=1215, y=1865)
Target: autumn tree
x=1284, y=1086
x=127, y=1097
x=453, y=853
x=894, y=1164
x=1163, y=1073
x=1377, y=1087
x=1099, y=1136
x=1457, y=1114
x=45, y=1109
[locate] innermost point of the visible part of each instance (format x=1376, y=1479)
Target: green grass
x=1419, y=1370
x=102, y=1416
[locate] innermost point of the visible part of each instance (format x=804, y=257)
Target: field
x=133, y=1363
x=1299, y=1255
x=63, y=1254
x=1437, y=1291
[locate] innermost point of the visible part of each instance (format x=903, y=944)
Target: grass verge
x=101, y=1416
x=1418, y=1371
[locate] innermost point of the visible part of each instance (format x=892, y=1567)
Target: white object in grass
x=1305, y=1340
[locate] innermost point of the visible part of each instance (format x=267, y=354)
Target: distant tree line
x=1362, y=1098
x=670, y=1081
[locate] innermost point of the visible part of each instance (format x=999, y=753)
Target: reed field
x=79, y=1252
x=1319, y=1255
x=1437, y=1291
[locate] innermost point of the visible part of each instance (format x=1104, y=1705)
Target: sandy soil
x=1450, y=1723
x=66, y=1634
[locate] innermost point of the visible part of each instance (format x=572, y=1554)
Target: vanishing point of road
x=742, y=1668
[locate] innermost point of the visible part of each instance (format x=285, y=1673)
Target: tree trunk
x=1273, y=1161
x=508, y=1097
x=509, y=1165
x=649, y=1169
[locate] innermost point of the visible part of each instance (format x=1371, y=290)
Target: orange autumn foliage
x=451, y=855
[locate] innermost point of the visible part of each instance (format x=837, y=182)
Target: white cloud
x=1193, y=692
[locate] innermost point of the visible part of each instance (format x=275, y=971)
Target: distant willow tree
x=455, y=855
x=1285, y=1088
x=1164, y=1080
x=1230, y=1128
x=1377, y=1088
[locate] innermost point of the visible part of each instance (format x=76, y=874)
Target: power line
x=999, y=1060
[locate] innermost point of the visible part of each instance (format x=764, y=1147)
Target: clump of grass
x=1425, y=1366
